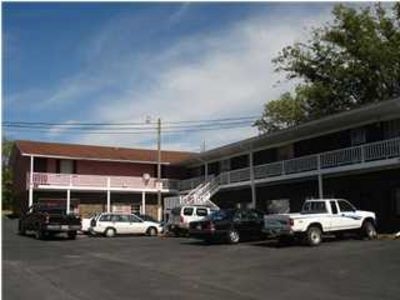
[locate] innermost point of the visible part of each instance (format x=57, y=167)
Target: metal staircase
x=200, y=195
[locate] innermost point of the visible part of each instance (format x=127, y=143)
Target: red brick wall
x=113, y=168
x=21, y=166
x=51, y=165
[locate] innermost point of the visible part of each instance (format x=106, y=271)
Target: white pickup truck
x=318, y=217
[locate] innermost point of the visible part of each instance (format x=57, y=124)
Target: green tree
x=7, y=177
x=350, y=62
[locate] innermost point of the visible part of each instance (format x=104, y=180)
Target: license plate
x=198, y=227
x=64, y=227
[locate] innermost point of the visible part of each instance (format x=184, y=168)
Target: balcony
x=98, y=183
x=366, y=156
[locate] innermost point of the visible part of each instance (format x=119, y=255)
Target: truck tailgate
x=277, y=224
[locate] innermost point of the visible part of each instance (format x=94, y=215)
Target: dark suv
x=45, y=221
x=232, y=225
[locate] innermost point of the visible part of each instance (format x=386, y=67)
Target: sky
x=131, y=62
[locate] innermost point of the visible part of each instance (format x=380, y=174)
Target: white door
x=136, y=225
x=121, y=223
x=348, y=216
x=335, y=218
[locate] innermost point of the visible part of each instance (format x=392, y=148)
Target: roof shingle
x=100, y=152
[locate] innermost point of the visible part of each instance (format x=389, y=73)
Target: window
x=124, y=218
x=188, y=211
x=314, y=207
x=333, y=207
x=392, y=129
x=65, y=166
x=105, y=218
x=358, y=136
x=201, y=212
x=134, y=219
x=345, y=206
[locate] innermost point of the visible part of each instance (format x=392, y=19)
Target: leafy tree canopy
x=350, y=62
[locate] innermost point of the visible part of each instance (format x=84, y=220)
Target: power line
x=117, y=132
x=9, y=123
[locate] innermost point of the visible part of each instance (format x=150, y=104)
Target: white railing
x=96, y=181
x=348, y=156
x=191, y=183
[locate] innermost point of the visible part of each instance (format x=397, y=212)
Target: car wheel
x=151, y=231
x=368, y=230
x=110, y=232
x=314, y=236
x=72, y=235
x=233, y=236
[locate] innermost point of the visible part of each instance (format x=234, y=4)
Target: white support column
x=143, y=203
x=252, y=184
x=31, y=183
x=108, y=195
x=68, y=201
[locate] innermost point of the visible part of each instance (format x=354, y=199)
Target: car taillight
x=181, y=219
x=291, y=222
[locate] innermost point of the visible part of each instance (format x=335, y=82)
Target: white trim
x=99, y=189
x=95, y=159
x=30, y=203
x=143, y=203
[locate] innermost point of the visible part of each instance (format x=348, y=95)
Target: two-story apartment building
x=87, y=179
x=353, y=155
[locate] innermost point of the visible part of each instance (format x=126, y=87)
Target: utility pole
x=159, y=168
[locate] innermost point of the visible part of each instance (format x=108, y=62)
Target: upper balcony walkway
x=374, y=155
x=51, y=181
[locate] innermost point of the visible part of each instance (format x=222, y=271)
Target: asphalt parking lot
x=178, y=268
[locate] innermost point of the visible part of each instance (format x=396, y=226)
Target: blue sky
x=120, y=62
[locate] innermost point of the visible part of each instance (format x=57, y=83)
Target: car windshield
x=221, y=215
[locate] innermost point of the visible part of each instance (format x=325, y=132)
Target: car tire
x=72, y=235
x=151, y=231
x=110, y=232
x=313, y=236
x=368, y=230
x=233, y=236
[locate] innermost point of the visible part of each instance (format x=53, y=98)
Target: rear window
x=188, y=211
x=201, y=212
x=311, y=207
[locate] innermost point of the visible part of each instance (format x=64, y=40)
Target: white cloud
x=215, y=75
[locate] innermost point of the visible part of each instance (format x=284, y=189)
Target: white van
x=181, y=216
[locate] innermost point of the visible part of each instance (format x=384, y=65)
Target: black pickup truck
x=45, y=221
